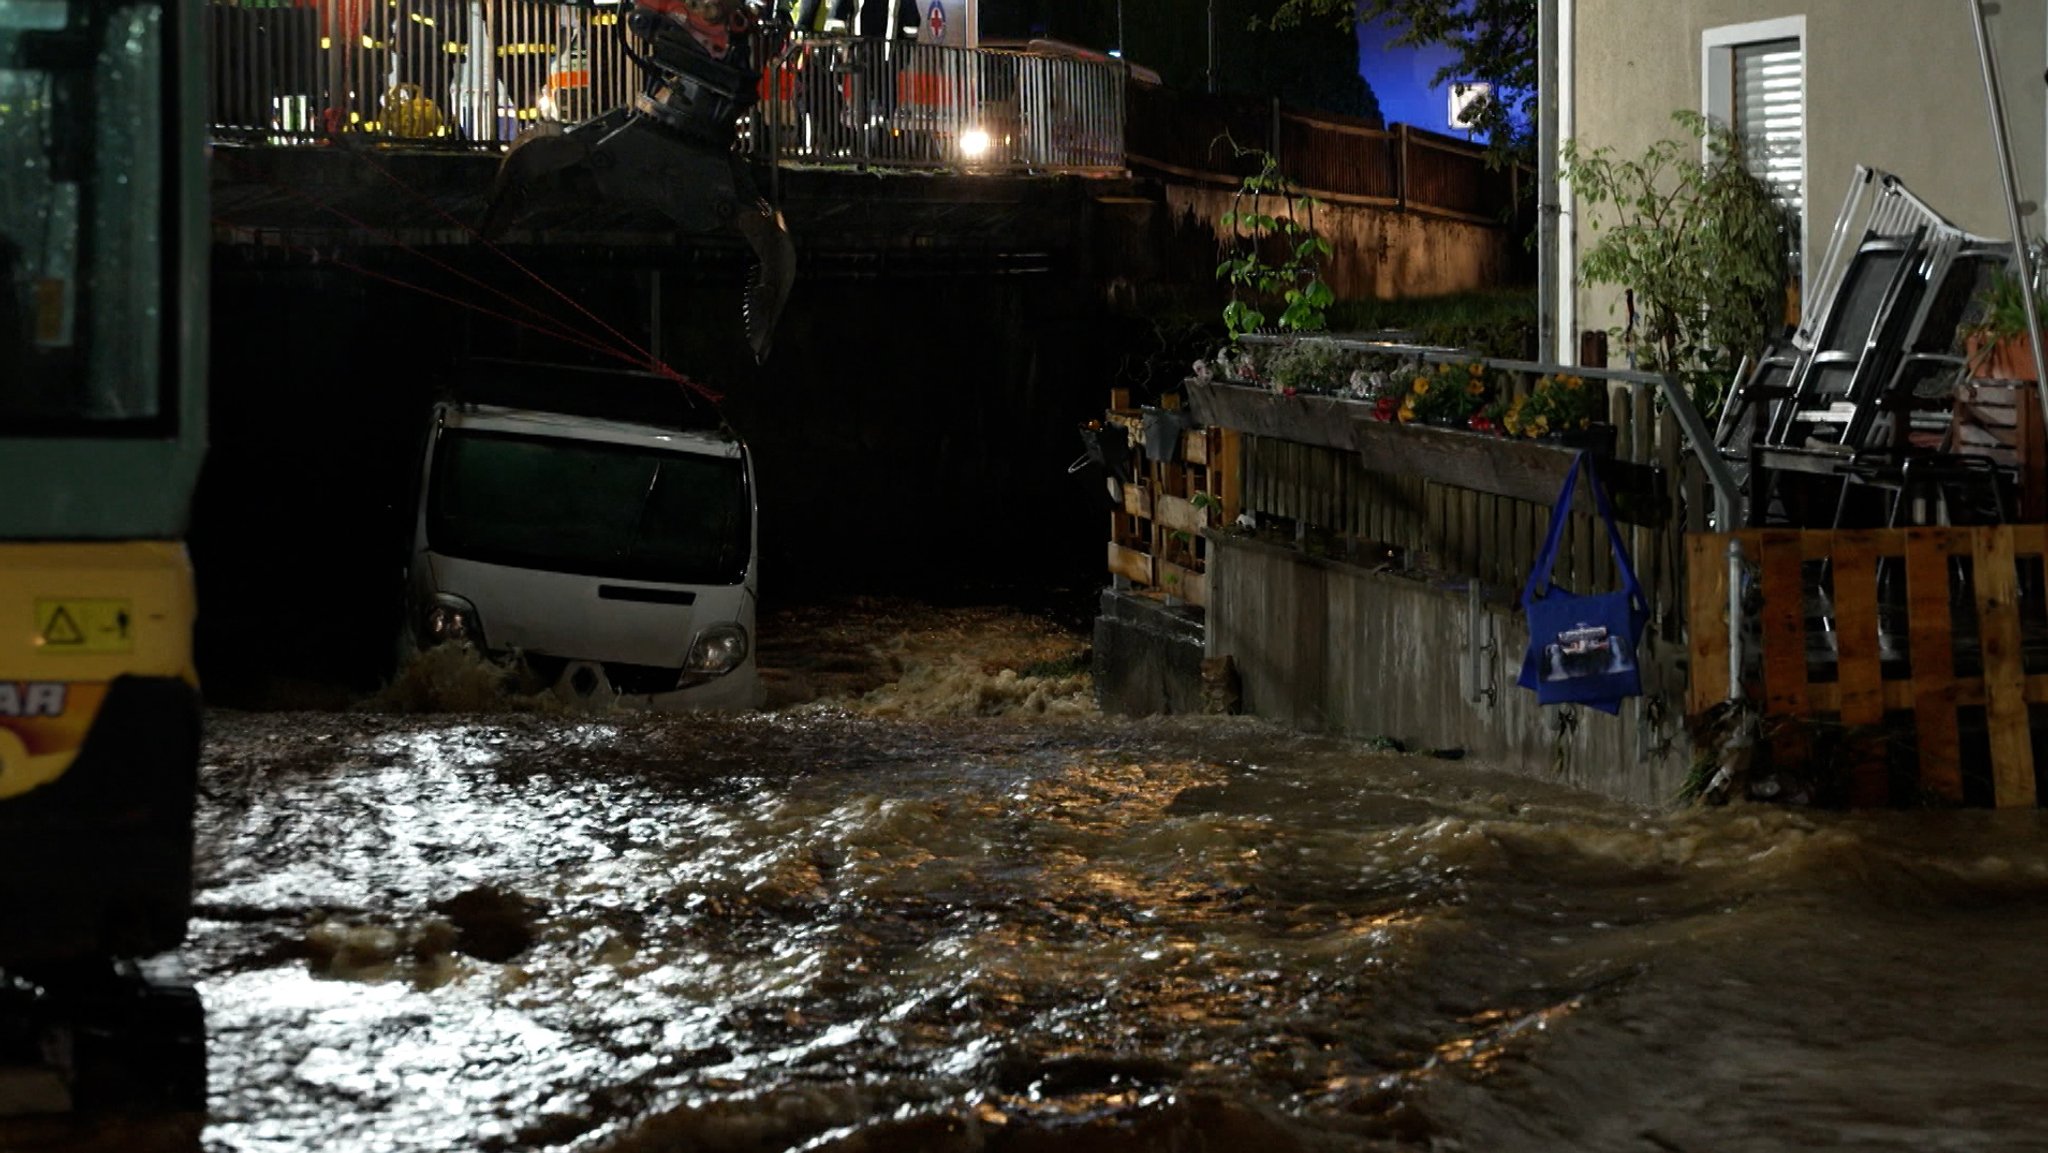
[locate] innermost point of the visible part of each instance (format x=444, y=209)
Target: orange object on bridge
x=914, y=87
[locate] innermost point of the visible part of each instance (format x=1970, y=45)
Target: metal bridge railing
x=459, y=73
x=473, y=74
x=893, y=104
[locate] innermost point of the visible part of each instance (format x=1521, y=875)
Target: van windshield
x=593, y=509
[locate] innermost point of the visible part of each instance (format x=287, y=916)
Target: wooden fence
x=1441, y=519
x=1331, y=157
x=1916, y=628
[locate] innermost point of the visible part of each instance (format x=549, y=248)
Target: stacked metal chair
x=1841, y=427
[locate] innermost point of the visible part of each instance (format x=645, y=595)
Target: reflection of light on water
x=1497, y=1030
x=779, y=932
x=910, y=906
x=388, y=1067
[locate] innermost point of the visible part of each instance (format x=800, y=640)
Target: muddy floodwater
x=934, y=902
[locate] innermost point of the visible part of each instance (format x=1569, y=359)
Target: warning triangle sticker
x=62, y=630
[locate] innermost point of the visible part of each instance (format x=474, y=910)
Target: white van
x=599, y=526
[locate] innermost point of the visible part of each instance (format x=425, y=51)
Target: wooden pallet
x=1156, y=539
x=2001, y=420
x=1923, y=585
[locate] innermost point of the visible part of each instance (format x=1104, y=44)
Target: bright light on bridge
x=974, y=143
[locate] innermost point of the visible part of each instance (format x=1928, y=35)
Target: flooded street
x=935, y=902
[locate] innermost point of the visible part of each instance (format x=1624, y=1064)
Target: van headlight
x=717, y=651
x=451, y=618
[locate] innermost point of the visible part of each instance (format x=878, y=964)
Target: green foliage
x=1494, y=41
x=1272, y=258
x=2003, y=308
x=1500, y=323
x=1701, y=245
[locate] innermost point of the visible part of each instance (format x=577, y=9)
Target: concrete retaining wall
x=1330, y=647
x=1148, y=656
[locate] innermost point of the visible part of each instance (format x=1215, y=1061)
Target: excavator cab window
x=82, y=298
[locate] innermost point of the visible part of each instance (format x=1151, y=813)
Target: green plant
x=1999, y=319
x=1499, y=323
x=1701, y=245
x=1447, y=393
x=1267, y=219
x=2002, y=308
x=1557, y=403
x=1310, y=365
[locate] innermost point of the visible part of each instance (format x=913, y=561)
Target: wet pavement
x=933, y=901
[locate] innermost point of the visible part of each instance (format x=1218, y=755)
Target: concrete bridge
x=961, y=305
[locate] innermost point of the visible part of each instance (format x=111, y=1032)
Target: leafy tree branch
x=1701, y=245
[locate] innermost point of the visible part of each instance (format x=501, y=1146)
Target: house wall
x=1893, y=84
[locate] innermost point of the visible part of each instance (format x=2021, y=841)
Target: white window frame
x=1717, y=100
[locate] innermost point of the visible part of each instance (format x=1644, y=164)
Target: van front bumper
x=737, y=691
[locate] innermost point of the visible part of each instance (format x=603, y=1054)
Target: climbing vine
x=1272, y=256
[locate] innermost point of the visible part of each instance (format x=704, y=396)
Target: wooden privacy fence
x=1933, y=628
x=1331, y=157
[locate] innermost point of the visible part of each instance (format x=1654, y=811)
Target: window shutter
x=1770, y=115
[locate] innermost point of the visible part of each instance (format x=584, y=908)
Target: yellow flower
x=1407, y=415
x=1477, y=368
x=1476, y=388
x=1574, y=383
x=1541, y=426
x=1421, y=387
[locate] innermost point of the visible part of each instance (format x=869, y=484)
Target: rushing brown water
x=945, y=907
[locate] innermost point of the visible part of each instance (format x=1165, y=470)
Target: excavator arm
x=671, y=149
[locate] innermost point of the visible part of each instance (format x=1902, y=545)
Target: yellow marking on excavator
x=77, y=625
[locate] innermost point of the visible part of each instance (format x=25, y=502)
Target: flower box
x=1303, y=418
x=1521, y=469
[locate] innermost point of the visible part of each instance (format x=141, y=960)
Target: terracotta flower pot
x=2009, y=359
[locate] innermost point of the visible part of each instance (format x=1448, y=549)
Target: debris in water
x=490, y=923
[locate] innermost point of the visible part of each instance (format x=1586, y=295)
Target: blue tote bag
x=1582, y=649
